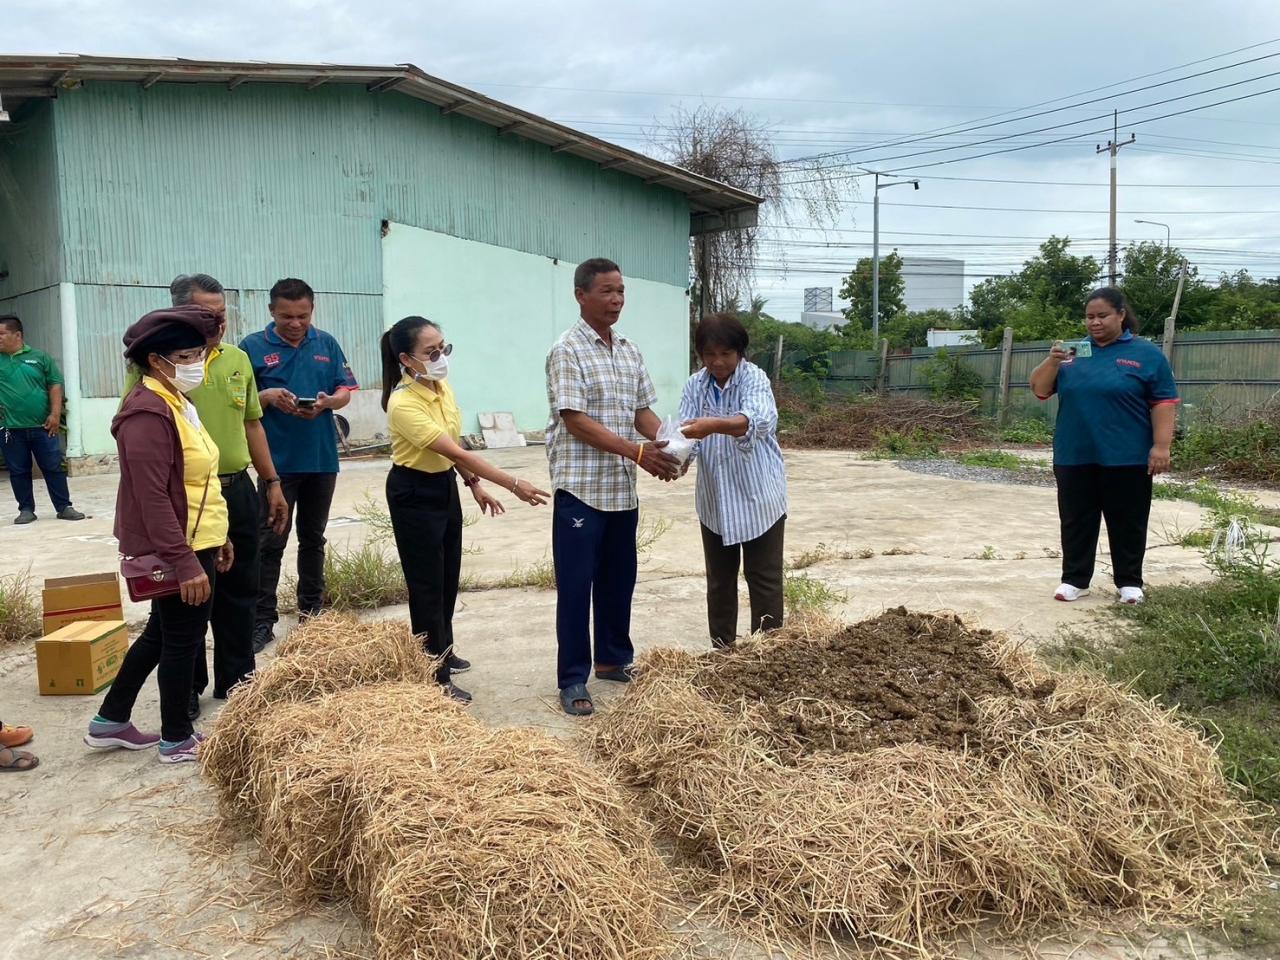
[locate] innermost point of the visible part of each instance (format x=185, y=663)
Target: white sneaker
x=1131, y=595
x=1068, y=593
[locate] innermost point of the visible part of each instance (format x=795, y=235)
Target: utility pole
x=1113, y=147
x=875, y=247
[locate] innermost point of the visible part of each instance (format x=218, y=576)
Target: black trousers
x=762, y=565
x=236, y=598
x=309, y=496
x=168, y=646
x=426, y=518
x=1090, y=494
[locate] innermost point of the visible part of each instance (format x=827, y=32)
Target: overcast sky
x=829, y=76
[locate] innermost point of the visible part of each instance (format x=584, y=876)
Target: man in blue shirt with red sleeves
x=302, y=376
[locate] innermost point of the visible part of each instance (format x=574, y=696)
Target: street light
x=875, y=246
x=1168, y=234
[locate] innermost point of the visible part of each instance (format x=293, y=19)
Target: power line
x=1044, y=113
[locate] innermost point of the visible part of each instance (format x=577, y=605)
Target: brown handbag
x=148, y=577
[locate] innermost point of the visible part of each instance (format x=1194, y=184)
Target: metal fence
x=1230, y=371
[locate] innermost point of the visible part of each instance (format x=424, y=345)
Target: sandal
x=17, y=761
x=569, y=695
x=15, y=736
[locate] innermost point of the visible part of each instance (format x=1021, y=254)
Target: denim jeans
x=20, y=446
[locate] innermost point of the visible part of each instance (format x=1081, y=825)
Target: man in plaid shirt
x=601, y=428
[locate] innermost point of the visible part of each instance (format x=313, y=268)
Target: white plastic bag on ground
x=678, y=445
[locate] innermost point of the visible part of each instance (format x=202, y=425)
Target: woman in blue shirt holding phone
x=1117, y=407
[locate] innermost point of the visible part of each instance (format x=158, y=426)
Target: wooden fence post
x=881, y=375
x=1006, y=363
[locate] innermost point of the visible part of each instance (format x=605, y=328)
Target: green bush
x=914, y=444
x=1245, y=449
x=1027, y=430
x=950, y=378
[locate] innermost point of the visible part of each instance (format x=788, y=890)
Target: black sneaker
x=193, y=706
x=70, y=513
x=305, y=615
x=262, y=635
x=457, y=664
x=455, y=692
x=25, y=516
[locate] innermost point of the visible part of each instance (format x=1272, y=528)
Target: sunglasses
x=435, y=353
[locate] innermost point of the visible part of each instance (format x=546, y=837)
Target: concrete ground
x=114, y=855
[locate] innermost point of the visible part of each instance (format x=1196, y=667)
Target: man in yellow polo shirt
x=228, y=405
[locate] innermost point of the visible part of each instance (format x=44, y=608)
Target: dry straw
x=1078, y=804
x=453, y=840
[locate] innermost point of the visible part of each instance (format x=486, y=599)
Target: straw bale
x=515, y=848
x=453, y=840
x=327, y=654
x=1074, y=799
x=322, y=764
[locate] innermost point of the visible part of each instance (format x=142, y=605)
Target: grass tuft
x=803, y=594
x=20, y=610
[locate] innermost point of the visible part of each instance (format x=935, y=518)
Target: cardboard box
x=94, y=596
x=81, y=658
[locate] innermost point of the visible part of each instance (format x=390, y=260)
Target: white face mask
x=437, y=369
x=187, y=376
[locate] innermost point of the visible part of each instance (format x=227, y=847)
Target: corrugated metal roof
x=23, y=77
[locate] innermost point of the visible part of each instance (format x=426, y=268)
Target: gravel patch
x=1030, y=477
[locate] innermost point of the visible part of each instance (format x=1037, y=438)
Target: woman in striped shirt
x=741, y=493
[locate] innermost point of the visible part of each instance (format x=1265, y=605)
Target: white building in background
x=932, y=283
x=951, y=338
x=818, y=310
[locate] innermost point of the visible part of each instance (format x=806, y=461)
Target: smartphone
x=305, y=402
x=1081, y=348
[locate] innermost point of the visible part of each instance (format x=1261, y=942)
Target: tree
x=911, y=329
x=736, y=148
x=857, y=289
x=1243, y=303
x=1150, y=282
x=764, y=331
x=1042, y=301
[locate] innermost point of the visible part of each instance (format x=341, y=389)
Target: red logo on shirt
x=321, y=358
x=272, y=359
x=1130, y=363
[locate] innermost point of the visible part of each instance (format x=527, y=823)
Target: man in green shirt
x=30, y=414
x=227, y=403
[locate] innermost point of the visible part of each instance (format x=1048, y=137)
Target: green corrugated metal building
x=391, y=192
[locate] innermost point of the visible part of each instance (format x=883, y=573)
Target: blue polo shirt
x=315, y=366
x=1105, y=402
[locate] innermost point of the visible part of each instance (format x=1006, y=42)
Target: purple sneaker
x=184, y=752
x=129, y=737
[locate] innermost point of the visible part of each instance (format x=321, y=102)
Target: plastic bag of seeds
x=678, y=445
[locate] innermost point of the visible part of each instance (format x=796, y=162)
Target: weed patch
x=1212, y=649
x=803, y=594
x=1244, y=448
x=996, y=459
x=20, y=611
x=817, y=554
x=540, y=575
x=1028, y=430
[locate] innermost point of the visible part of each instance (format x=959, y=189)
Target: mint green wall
x=30, y=240
x=503, y=309
x=113, y=190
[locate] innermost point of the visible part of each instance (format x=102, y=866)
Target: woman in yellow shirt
x=422, y=487
x=169, y=506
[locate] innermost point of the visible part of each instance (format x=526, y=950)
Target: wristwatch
x=271, y=481
x=471, y=481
